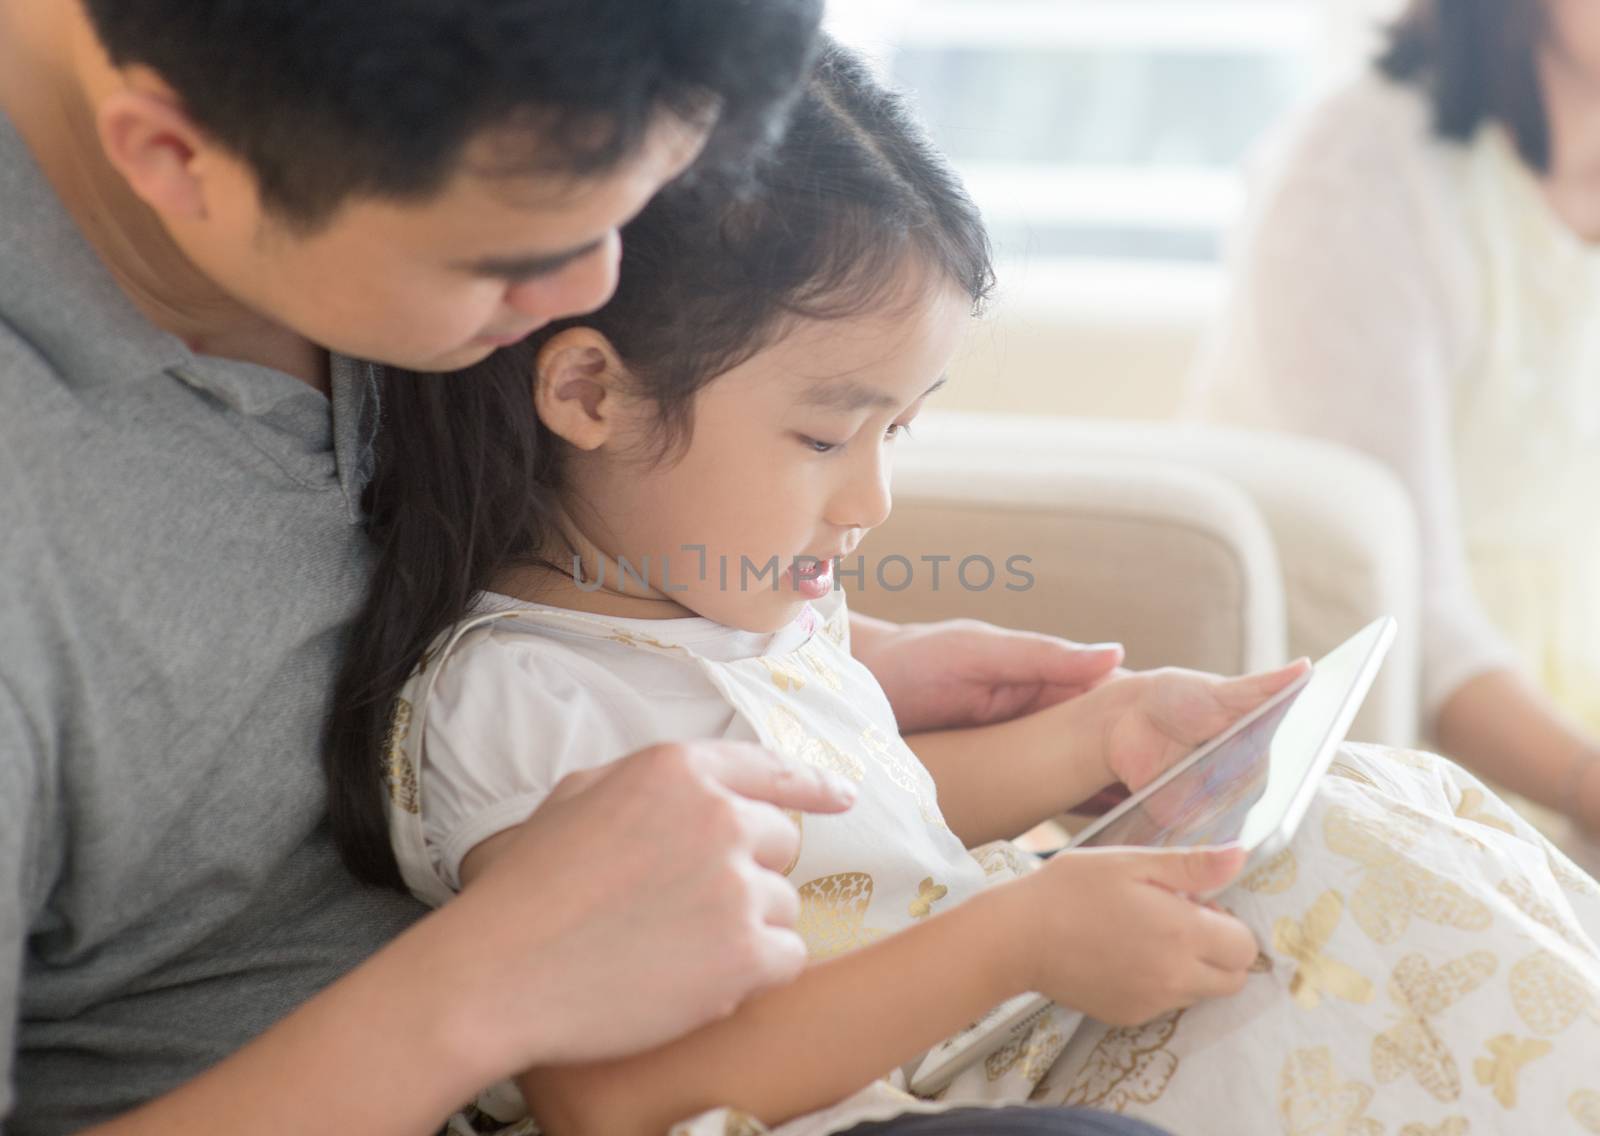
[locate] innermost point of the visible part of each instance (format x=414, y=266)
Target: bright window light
x=1103, y=132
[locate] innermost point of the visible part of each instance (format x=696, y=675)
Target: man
x=208, y=210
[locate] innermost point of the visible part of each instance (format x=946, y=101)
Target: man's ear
x=158, y=149
x=578, y=386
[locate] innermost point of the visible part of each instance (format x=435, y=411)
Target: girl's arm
x=801, y=1047
x=1142, y=950
x=998, y=781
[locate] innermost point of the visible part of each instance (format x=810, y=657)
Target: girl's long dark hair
x=1478, y=62
x=467, y=477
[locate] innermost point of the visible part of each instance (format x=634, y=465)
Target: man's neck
x=51, y=66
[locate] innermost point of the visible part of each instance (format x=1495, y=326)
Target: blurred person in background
x=1419, y=278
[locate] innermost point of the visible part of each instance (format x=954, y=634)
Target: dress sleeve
x=508, y=718
x=1349, y=319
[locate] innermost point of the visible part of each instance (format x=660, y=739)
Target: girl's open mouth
x=811, y=577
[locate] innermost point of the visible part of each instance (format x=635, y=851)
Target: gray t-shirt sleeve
x=19, y=785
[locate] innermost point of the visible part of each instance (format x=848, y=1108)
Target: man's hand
x=966, y=673
x=640, y=902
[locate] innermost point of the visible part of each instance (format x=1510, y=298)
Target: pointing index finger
x=760, y=775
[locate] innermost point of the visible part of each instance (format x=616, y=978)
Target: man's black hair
x=1478, y=62
x=331, y=99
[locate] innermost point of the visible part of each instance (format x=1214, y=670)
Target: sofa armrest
x=1176, y=564
x=1338, y=531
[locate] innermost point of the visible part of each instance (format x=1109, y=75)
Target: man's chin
x=456, y=360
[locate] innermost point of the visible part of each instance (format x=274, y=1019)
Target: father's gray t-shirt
x=179, y=552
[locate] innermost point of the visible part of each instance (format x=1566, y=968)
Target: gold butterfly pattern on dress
x=1001, y=858
x=742, y=1124
x=1528, y=901
x=833, y=912
x=1314, y=1100
x=1414, y=1046
x=1393, y=887
x=928, y=894
x=1471, y=807
x=1274, y=877
x=1570, y=879
x=1507, y=1055
x=785, y=675
x=398, y=775
x=829, y=677
x=1452, y=1126
x=904, y=770
x=1549, y=994
x=1584, y=1105
x=1316, y=974
x=1030, y=1055
x=792, y=741
x=634, y=639
x=1351, y=773
x=1412, y=759
x=1127, y=1066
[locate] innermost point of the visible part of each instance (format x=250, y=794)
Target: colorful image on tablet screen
x=1209, y=802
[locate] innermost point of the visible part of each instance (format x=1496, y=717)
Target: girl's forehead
x=876, y=359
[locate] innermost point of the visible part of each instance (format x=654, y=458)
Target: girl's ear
x=578, y=383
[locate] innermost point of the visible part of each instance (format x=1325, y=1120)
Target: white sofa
x=1195, y=546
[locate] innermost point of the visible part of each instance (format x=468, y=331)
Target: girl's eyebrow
x=525, y=267
x=849, y=396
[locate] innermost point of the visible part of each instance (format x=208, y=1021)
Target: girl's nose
x=864, y=501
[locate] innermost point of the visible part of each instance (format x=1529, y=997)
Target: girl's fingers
x=1249, y=691
x=1226, y=943
x=1186, y=871
x=1217, y=982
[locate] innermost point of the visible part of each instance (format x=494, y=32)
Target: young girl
x=623, y=533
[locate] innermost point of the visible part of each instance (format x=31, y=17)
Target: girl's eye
x=818, y=447
x=896, y=429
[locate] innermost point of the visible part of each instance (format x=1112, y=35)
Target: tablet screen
x=1210, y=802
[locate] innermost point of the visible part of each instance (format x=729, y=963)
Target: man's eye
x=817, y=446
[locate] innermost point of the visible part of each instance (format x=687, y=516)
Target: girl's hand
x=1151, y=719
x=1111, y=932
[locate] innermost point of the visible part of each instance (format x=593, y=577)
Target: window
x=1102, y=132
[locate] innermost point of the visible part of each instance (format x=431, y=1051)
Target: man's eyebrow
x=848, y=396
x=525, y=267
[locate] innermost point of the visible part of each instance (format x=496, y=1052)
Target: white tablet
x=1253, y=783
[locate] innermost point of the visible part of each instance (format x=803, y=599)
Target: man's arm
x=553, y=954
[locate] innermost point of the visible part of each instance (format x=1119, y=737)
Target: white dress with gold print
x=1429, y=962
